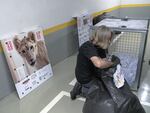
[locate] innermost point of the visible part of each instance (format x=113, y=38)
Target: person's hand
x=115, y=60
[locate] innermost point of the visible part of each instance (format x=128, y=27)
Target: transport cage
x=129, y=45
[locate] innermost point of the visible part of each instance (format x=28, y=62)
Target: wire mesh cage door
x=129, y=47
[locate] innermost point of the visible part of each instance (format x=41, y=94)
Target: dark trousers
x=82, y=89
x=85, y=87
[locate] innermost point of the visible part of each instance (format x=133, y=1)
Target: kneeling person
x=91, y=57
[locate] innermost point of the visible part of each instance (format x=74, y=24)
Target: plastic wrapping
x=105, y=97
x=129, y=66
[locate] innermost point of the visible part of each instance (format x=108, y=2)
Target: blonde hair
x=101, y=37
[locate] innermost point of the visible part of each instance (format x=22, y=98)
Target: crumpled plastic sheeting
x=104, y=97
x=129, y=66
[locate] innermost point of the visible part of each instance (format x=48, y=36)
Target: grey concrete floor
x=53, y=95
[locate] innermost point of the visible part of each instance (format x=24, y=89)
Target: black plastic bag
x=104, y=97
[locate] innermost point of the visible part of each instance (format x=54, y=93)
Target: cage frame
x=144, y=33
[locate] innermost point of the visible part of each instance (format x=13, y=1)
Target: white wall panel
x=16, y=15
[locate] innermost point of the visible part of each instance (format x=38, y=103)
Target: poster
x=84, y=22
x=28, y=60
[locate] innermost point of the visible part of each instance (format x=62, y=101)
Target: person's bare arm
x=101, y=63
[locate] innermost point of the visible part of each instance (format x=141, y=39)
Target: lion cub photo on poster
x=26, y=53
x=32, y=51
